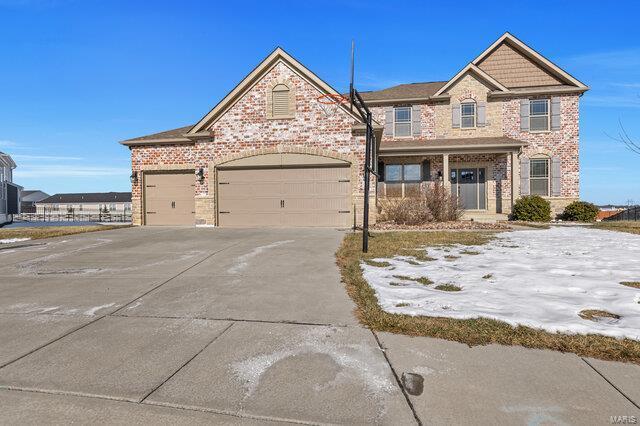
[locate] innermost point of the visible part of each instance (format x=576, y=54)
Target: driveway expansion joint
x=611, y=383
x=186, y=363
x=237, y=414
x=73, y=330
x=316, y=324
x=132, y=401
x=397, y=378
x=176, y=276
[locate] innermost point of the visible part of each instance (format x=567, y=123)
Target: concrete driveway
x=182, y=325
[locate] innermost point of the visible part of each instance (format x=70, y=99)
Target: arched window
x=280, y=101
x=468, y=114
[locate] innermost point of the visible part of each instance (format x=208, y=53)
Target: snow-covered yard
x=13, y=240
x=538, y=278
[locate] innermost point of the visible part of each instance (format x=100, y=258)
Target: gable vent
x=280, y=101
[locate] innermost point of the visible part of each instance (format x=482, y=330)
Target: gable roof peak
x=254, y=76
x=532, y=55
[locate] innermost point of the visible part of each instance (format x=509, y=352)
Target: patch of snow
x=34, y=266
x=95, y=309
x=242, y=261
x=135, y=305
x=539, y=278
x=356, y=362
x=13, y=240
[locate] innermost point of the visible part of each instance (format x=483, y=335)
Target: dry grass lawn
x=622, y=226
x=471, y=332
x=36, y=233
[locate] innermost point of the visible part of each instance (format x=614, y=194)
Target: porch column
x=445, y=171
x=515, y=177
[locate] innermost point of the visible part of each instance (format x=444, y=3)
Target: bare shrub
x=433, y=205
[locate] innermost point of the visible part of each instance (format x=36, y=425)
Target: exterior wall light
x=134, y=176
x=200, y=175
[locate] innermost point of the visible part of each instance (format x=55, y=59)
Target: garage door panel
x=241, y=219
x=311, y=196
x=242, y=190
x=169, y=198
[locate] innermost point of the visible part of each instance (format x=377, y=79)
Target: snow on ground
x=13, y=240
x=538, y=278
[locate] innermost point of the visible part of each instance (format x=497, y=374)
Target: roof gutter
x=447, y=149
x=537, y=91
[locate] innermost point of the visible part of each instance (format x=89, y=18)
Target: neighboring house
x=271, y=153
x=9, y=192
x=86, y=203
x=29, y=198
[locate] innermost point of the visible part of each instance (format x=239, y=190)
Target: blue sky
x=77, y=76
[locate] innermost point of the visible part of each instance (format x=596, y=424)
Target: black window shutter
x=380, y=171
x=426, y=170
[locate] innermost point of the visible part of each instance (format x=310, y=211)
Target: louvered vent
x=281, y=101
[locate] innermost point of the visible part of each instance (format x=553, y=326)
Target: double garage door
x=254, y=197
x=285, y=197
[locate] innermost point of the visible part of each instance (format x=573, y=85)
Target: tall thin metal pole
x=353, y=49
x=367, y=173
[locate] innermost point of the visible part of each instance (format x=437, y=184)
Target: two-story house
x=9, y=191
x=506, y=125
x=273, y=153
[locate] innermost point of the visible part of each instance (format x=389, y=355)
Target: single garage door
x=169, y=198
x=285, y=197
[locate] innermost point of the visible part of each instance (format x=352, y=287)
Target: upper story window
x=539, y=115
x=402, y=173
x=280, y=101
x=402, y=121
x=539, y=176
x=468, y=115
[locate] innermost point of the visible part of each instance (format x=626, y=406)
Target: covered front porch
x=481, y=173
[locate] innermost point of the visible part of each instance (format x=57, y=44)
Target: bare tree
x=624, y=138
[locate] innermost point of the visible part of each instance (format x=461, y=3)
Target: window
x=468, y=115
x=280, y=101
x=539, y=115
x=539, y=176
x=402, y=173
x=112, y=207
x=79, y=207
x=402, y=121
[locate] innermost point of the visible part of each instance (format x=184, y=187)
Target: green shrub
x=531, y=208
x=580, y=211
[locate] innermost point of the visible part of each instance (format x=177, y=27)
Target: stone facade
x=246, y=129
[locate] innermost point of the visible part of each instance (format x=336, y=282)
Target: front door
x=469, y=186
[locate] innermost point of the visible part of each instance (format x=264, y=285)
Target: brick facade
x=246, y=129
x=502, y=119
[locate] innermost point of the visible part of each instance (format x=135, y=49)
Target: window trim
x=475, y=114
x=410, y=109
x=548, y=101
x=538, y=178
x=402, y=180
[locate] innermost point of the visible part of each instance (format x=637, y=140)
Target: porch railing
x=401, y=190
